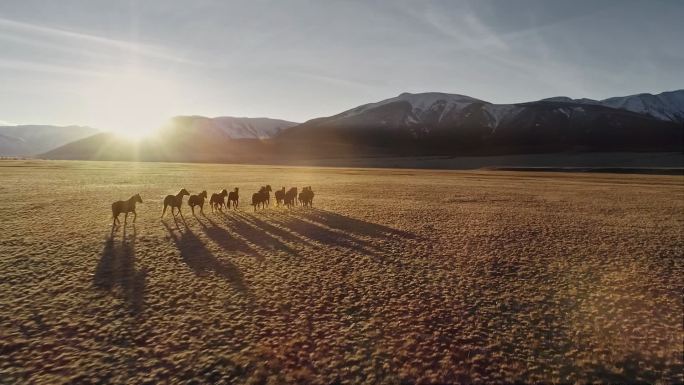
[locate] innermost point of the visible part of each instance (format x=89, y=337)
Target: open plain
x=393, y=276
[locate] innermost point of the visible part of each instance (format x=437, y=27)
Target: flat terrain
x=394, y=275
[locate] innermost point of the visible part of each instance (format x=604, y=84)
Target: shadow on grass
x=116, y=268
x=200, y=259
x=350, y=225
x=227, y=241
x=239, y=224
x=279, y=229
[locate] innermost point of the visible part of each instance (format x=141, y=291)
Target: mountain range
x=26, y=140
x=411, y=124
x=438, y=123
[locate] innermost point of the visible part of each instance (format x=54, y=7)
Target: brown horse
x=280, y=196
x=175, y=201
x=234, y=198
x=197, y=200
x=306, y=196
x=267, y=195
x=261, y=197
x=291, y=197
x=217, y=201
x=125, y=207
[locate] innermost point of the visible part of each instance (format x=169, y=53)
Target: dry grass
x=395, y=275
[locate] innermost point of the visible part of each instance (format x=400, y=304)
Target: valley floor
x=394, y=276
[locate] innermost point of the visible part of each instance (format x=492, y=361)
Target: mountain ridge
x=34, y=139
x=436, y=123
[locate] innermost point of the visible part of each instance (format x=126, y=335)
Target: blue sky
x=136, y=63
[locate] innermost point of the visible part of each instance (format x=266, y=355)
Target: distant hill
x=184, y=139
x=231, y=127
x=438, y=123
x=28, y=140
x=185, y=147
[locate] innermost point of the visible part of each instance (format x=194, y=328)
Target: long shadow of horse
x=227, y=241
x=351, y=225
x=200, y=259
x=281, y=233
x=259, y=236
x=317, y=234
x=116, y=268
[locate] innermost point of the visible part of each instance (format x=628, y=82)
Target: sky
x=133, y=64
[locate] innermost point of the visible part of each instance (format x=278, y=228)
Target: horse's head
x=237, y=189
x=268, y=187
x=283, y=189
x=183, y=192
x=137, y=198
x=203, y=194
x=224, y=192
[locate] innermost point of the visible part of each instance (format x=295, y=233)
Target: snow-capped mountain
x=664, y=106
x=27, y=140
x=231, y=127
x=438, y=122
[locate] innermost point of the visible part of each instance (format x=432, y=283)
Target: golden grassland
x=393, y=276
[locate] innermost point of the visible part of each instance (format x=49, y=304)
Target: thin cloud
x=37, y=33
x=22, y=65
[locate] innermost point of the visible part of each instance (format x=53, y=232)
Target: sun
x=131, y=104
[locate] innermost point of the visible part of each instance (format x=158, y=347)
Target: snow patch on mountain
x=664, y=106
x=667, y=106
x=421, y=104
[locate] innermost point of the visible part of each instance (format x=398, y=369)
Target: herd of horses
x=218, y=201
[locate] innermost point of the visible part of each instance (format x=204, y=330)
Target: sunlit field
x=392, y=276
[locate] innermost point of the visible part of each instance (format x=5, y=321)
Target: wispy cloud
x=318, y=77
x=60, y=39
x=31, y=66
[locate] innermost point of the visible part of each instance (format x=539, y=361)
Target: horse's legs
x=125, y=218
x=164, y=211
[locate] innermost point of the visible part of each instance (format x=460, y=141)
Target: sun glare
x=132, y=104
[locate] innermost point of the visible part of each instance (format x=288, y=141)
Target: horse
x=233, y=198
x=261, y=197
x=306, y=196
x=218, y=200
x=125, y=207
x=198, y=200
x=175, y=201
x=267, y=195
x=280, y=196
x=290, y=197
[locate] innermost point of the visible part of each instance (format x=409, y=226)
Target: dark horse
x=217, y=201
x=306, y=196
x=280, y=196
x=233, y=198
x=291, y=197
x=197, y=200
x=175, y=201
x=261, y=197
x=125, y=207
